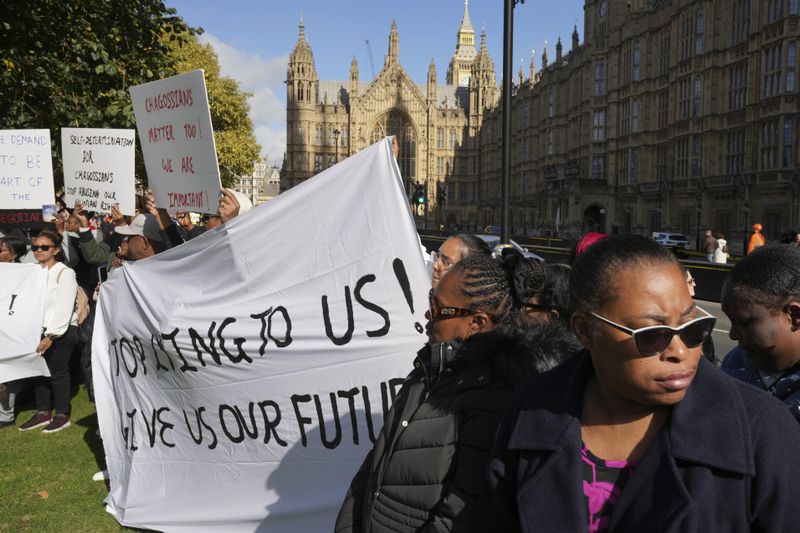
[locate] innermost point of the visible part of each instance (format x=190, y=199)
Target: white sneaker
x=100, y=476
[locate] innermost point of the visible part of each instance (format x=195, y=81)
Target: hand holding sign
x=228, y=205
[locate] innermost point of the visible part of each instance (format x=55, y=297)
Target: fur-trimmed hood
x=511, y=354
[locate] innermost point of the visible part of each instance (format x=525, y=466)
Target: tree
x=71, y=63
x=237, y=149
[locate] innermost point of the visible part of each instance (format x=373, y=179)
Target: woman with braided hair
x=428, y=465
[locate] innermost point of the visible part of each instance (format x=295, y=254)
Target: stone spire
x=521, y=75
x=558, y=51
x=394, y=44
x=432, y=81
x=575, y=43
x=544, y=56
x=354, y=77
x=301, y=74
x=533, y=66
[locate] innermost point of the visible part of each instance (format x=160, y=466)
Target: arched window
x=635, y=115
x=637, y=61
x=397, y=123
x=699, y=29
x=698, y=96
x=299, y=92
x=791, y=66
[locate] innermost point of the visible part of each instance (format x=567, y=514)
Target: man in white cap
x=144, y=238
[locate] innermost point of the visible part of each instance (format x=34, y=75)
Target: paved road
x=722, y=342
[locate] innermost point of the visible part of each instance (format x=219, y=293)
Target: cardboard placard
x=26, y=169
x=174, y=125
x=99, y=168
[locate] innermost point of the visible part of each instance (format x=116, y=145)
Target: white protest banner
x=22, y=290
x=174, y=125
x=241, y=378
x=99, y=168
x=26, y=169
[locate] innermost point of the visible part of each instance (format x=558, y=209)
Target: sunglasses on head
x=443, y=313
x=42, y=247
x=653, y=340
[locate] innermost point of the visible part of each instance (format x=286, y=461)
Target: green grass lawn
x=46, y=479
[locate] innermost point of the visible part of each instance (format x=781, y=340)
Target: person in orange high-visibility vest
x=756, y=239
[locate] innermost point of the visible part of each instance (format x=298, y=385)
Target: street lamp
x=508, y=76
x=336, y=134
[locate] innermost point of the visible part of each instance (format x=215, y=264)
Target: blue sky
x=254, y=38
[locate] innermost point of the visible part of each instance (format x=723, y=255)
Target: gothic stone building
x=672, y=115
x=437, y=125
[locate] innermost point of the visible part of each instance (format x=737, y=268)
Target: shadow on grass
x=92, y=439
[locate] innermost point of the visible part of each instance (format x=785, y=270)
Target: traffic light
x=442, y=189
x=419, y=193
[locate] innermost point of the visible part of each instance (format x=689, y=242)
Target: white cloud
x=264, y=77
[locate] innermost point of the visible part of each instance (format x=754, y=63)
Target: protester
x=12, y=248
x=232, y=204
x=94, y=251
x=721, y=252
x=58, y=337
x=762, y=299
x=585, y=242
x=145, y=239
x=709, y=245
x=551, y=300
x=454, y=249
x=167, y=231
x=427, y=467
x=756, y=239
x=637, y=432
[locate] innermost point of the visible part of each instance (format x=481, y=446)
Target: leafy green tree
x=237, y=148
x=70, y=63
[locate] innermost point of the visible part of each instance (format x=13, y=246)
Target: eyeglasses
x=42, y=247
x=653, y=340
x=437, y=257
x=443, y=313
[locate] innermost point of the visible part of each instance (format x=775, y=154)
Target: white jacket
x=59, y=300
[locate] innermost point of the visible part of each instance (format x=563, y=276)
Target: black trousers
x=55, y=390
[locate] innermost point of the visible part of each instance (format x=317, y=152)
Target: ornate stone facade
x=437, y=125
x=671, y=115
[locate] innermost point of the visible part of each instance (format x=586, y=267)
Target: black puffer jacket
x=429, y=462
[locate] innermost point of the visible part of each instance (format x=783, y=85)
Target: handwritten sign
x=99, y=168
x=174, y=125
x=26, y=169
x=251, y=381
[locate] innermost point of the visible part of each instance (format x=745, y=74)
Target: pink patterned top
x=603, y=482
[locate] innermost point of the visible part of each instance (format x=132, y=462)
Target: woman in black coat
x=429, y=462
x=638, y=432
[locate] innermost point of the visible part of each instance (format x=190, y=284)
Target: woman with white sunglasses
x=638, y=432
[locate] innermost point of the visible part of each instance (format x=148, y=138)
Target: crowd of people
x=584, y=398
x=549, y=397
x=77, y=254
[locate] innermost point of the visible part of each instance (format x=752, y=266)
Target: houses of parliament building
x=671, y=115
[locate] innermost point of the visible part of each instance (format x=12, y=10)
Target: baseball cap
x=144, y=225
